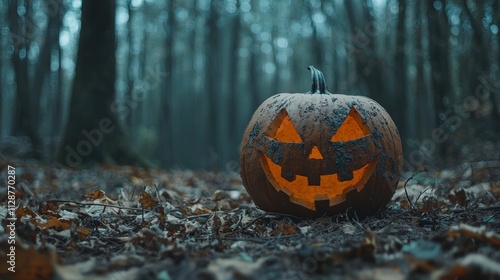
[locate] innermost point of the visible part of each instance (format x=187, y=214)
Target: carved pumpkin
x=316, y=153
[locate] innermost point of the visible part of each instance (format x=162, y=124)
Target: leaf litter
x=112, y=222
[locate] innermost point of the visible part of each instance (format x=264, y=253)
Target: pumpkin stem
x=318, y=81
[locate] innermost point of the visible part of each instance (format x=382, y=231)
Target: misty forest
x=125, y=152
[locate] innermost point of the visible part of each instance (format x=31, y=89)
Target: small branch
x=96, y=204
x=406, y=191
x=481, y=209
x=256, y=240
x=198, y=216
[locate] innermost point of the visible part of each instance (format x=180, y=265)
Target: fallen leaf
x=147, y=201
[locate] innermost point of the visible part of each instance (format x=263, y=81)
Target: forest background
x=181, y=79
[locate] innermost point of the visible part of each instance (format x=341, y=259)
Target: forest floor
x=112, y=222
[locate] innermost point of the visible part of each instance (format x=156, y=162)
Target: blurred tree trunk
x=44, y=58
x=213, y=82
x=234, y=83
x=253, y=79
x=317, y=48
x=43, y=68
x=481, y=54
x=165, y=120
x=198, y=132
x=2, y=78
x=368, y=64
x=425, y=102
x=480, y=44
x=93, y=132
x=26, y=108
x=56, y=100
x=129, y=74
x=439, y=35
x=496, y=93
x=400, y=67
x=410, y=49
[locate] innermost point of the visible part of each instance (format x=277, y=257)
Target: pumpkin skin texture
x=316, y=153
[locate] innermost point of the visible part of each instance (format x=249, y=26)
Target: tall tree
x=165, y=120
x=213, y=77
x=233, y=78
x=43, y=74
x=317, y=44
x=399, y=69
x=439, y=34
x=93, y=132
x=481, y=53
x=22, y=31
x=368, y=63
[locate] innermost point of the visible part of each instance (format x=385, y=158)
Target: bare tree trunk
x=438, y=55
x=44, y=58
x=213, y=76
x=316, y=42
x=400, y=70
x=129, y=75
x=234, y=86
x=481, y=51
x=55, y=95
x=253, y=80
x=368, y=64
x=427, y=97
x=166, y=119
x=93, y=132
x=496, y=92
x=420, y=83
x=26, y=109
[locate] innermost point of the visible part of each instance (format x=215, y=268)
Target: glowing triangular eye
x=352, y=128
x=282, y=129
x=315, y=153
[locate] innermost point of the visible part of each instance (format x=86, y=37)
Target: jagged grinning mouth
x=330, y=187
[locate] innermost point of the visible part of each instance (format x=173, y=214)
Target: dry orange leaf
x=56, y=223
x=23, y=211
x=495, y=188
x=147, y=201
x=285, y=229
x=478, y=233
x=83, y=231
x=50, y=208
x=98, y=194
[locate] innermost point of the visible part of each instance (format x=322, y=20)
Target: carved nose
x=315, y=153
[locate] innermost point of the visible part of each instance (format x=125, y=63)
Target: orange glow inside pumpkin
x=283, y=129
x=352, y=128
x=331, y=188
x=315, y=153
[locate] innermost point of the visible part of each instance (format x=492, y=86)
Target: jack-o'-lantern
x=316, y=153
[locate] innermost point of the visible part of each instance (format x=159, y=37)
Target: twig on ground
x=482, y=209
x=95, y=204
x=406, y=191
